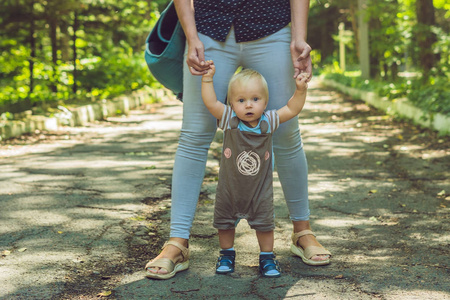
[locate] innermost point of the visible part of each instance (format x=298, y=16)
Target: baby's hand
x=211, y=71
x=301, y=81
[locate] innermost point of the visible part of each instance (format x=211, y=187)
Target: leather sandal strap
x=164, y=263
x=315, y=250
x=297, y=235
x=184, y=250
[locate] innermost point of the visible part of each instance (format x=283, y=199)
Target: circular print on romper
x=248, y=163
x=227, y=152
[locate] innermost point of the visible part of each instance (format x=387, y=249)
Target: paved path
x=82, y=209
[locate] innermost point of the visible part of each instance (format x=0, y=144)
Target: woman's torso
x=252, y=19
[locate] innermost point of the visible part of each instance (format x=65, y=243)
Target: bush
x=432, y=95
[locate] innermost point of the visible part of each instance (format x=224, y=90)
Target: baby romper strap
x=264, y=126
x=234, y=122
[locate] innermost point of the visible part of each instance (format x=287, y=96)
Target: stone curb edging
x=399, y=107
x=73, y=117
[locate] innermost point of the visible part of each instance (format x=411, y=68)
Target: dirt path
x=83, y=209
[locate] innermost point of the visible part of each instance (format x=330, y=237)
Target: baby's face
x=249, y=101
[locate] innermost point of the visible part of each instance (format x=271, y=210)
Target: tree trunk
x=54, y=44
x=64, y=41
x=32, y=48
x=394, y=72
x=354, y=20
x=74, y=47
x=425, y=37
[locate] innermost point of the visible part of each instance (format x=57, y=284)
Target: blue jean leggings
x=271, y=57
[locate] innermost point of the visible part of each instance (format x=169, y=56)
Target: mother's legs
x=197, y=132
x=271, y=57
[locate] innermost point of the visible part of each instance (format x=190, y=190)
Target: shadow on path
x=82, y=210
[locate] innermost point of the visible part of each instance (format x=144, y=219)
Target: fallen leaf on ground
x=104, y=294
x=340, y=276
x=22, y=249
x=6, y=252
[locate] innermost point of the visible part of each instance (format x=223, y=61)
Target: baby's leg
x=265, y=240
x=225, y=262
x=268, y=265
x=226, y=238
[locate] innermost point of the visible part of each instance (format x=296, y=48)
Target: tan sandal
x=168, y=264
x=309, y=252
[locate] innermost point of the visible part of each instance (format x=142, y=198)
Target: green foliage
x=442, y=48
x=53, y=51
x=117, y=72
x=78, y=50
x=403, y=39
x=386, y=35
x=431, y=95
x=352, y=79
x=398, y=38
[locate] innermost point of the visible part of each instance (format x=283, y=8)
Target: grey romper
x=245, y=189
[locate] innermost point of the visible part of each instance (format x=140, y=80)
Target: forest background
x=65, y=52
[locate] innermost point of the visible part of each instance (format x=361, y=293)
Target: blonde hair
x=244, y=76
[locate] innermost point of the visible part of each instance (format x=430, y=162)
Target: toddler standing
x=245, y=187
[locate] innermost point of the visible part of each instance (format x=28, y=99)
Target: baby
x=245, y=189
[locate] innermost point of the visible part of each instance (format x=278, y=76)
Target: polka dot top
x=252, y=19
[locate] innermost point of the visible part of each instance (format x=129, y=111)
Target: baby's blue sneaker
x=269, y=266
x=225, y=262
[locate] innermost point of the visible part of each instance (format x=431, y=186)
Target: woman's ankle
x=182, y=241
x=301, y=225
x=172, y=252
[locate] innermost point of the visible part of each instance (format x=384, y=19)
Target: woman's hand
x=196, y=58
x=196, y=51
x=301, y=59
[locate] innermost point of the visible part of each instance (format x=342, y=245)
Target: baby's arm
x=297, y=101
x=214, y=106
